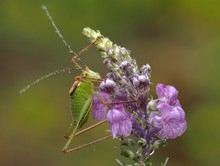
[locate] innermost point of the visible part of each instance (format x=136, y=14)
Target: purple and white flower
x=99, y=110
x=119, y=121
x=170, y=119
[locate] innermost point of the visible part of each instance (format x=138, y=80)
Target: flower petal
x=167, y=93
x=99, y=110
x=119, y=122
x=173, y=121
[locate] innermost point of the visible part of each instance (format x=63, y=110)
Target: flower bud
x=108, y=63
x=159, y=144
x=110, y=51
x=126, y=67
x=143, y=79
x=140, y=82
x=134, y=66
x=104, y=44
x=139, y=164
x=138, y=154
x=128, y=154
x=111, y=75
x=128, y=142
x=152, y=105
x=142, y=142
x=108, y=85
x=146, y=70
x=135, y=81
x=125, y=81
x=123, y=51
x=125, y=54
x=116, y=50
x=93, y=35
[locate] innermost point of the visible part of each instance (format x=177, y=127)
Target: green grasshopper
x=81, y=100
x=81, y=94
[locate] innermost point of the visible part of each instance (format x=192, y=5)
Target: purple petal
x=99, y=110
x=108, y=85
x=156, y=120
x=119, y=122
x=167, y=93
x=173, y=121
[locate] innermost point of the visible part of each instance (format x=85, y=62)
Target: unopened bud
x=152, y=105
x=108, y=85
x=93, y=35
x=128, y=154
x=126, y=67
x=140, y=82
x=142, y=142
x=159, y=144
x=140, y=164
x=138, y=154
x=128, y=142
x=110, y=51
x=146, y=70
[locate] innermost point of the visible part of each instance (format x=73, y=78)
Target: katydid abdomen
x=81, y=104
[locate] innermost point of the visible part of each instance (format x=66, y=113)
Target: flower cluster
x=130, y=111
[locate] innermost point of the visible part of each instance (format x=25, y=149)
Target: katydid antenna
x=76, y=56
x=44, y=77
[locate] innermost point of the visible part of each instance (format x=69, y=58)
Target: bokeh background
x=179, y=39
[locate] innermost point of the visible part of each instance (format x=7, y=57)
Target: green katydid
x=81, y=101
x=81, y=94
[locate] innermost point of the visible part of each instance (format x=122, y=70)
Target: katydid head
x=90, y=75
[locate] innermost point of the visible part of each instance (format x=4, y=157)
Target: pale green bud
x=159, y=144
x=128, y=154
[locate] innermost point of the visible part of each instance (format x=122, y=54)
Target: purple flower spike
x=172, y=122
x=119, y=121
x=99, y=109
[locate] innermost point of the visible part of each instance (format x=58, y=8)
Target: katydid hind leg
x=80, y=114
x=64, y=150
x=68, y=132
x=88, y=144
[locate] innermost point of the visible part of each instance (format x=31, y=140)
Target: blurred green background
x=179, y=39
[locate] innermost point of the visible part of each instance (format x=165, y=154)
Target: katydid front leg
x=108, y=103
